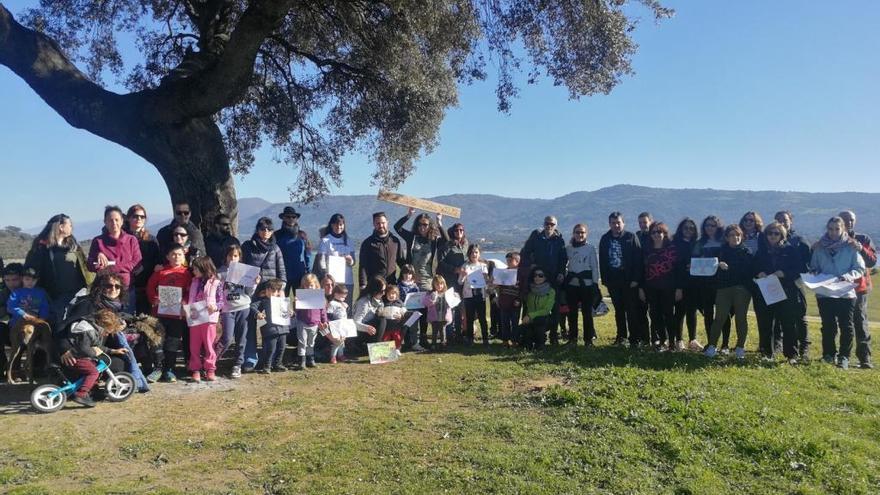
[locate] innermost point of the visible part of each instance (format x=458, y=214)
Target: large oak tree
x=217, y=79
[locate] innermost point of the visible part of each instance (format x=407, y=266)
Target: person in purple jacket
x=115, y=249
x=310, y=320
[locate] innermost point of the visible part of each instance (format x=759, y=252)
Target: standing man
x=865, y=247
x=546, y=249
x=645, y=222
x=293, y=248
x=380, y=253
x=219, y=240
x=620, y=265
x=182, y=216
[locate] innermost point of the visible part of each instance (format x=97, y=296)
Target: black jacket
x=631, y=270
x=450, y=258
x=151, y=256
x=216, y=246
x=740, y=266
x=787, y=259
x=546, y=252
x=165, y=240
x=380, y=256
x=268, y=258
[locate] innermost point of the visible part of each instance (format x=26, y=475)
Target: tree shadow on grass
x=15, y=398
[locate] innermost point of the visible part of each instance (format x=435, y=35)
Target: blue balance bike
x=49, y=398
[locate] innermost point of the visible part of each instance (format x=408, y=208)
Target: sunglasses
x=182, y=213
x=265, y=229
x=580, y=231
x=139, y=217
x=774, y=233
x=180, y=234
x=538, y=275
x=113, y=286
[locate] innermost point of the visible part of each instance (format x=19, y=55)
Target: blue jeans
x=247, y=345
x=235, y=325
x=509, y=323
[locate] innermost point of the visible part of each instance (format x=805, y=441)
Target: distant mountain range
x=504, y=223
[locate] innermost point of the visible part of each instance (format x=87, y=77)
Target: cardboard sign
x=418, y=203
x=383, y=352
x=170, y=300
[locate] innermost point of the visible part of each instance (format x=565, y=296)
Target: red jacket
x=869, y=256
x=172, y=277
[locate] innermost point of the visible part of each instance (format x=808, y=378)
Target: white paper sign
x=505, y=276
x=343, y=329
x=476, y=279
x=704, y=267
x=812, y=281
x=392, y=312
x=414, y=317
x=242, y=274
x=499, y=265
x=197, y=314
x=414, y=300
x=310, y=299
x=771, y=289
x=170, y=300
x=452, y=298
x=280, y=311
x=336, y=267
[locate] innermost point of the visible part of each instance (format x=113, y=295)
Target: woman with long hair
x=450, y=258
x=336, y=242
x=709, y=246
x=685, y=239
x=661, y=287
x=61, y=263
x=136, y=225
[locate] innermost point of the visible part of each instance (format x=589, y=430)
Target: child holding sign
x=337, y=309
x=234, y=315
x=438, y=310
x=310, y=320
x=273, y=332
x=205, y=287
x=173, y=274
x=473, y=277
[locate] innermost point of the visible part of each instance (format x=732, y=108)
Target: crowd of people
x=79, y=298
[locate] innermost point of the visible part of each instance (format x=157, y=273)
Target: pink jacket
x=125, y=251
x=431, y=307
x=211, y=292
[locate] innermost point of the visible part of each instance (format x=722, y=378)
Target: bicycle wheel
x=48, y=398
x=122, y=388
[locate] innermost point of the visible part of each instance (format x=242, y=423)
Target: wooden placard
x=419, y=204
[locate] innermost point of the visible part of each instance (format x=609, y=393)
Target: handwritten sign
x=771, y=289
x=414, y=300
x=383, y=352
x=242, y=274
x=343, y=329
x=310, y=299
x=476, y=279
x=197, y=314
x=337, y=268
x=505, y=277
x=704, y=267
x=170, y=300
x=418, y=203
x=280, y=312
x=413, y=318
x=452, y=298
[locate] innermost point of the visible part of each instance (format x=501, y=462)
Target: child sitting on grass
x=274, y=333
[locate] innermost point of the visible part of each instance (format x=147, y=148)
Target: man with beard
x=545, y=248
x=380, y=253
x=293, y=248
x=218, y=241
x=182, y=216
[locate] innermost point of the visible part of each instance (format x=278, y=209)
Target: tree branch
x=38, y=60
x=225, y=79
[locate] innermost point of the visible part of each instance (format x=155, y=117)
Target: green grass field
x=604, y=420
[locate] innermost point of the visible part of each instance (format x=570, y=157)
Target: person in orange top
x=173, y=274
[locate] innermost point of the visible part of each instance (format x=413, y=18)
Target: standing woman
x=581, y=284
x=685, y=239
x=115, y=249
x=778, y=257
x=335, y=242
x=262, y=251
x=752, y=226
x=422, y=244
x=709, y=246
x=452, y=256
x=61, y=263
x=836, y=254
x=661, y=286
x=735, y=269
x=150, y=256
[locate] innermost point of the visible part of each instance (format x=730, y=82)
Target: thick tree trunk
x=193, y=162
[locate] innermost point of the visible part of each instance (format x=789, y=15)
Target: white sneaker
x=710, y=351
x=679, y=345
x=601, y=309
x=740, y=353
x=695, y=346
x=725, y=351
x=236, y=372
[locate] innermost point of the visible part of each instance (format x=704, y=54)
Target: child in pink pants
x=205, y=288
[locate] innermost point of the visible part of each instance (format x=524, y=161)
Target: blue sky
x=727, y=95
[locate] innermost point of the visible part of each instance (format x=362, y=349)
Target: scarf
x=264, y=246
x=107, y=303
x=834, y=245
x=541, y=289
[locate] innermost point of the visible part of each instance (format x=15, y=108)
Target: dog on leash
x=29, y=336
